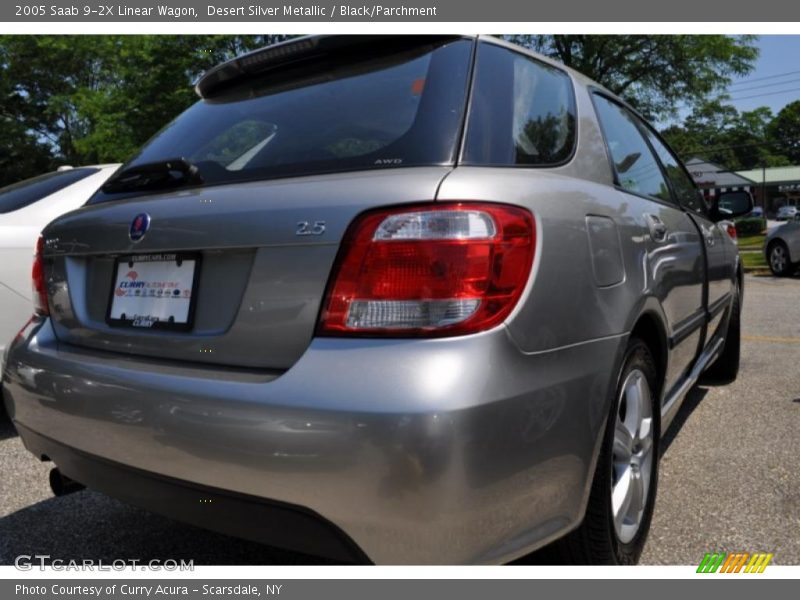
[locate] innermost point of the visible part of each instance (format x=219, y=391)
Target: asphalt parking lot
x=729, y=477
x=729, y=474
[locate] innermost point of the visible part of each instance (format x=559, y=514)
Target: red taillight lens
x=731, y=229
x=433, y=270
x=40, y=306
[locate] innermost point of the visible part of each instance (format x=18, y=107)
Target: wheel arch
x=651, y=331
x=649, y=323
x=778, y=240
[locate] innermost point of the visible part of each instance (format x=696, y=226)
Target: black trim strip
x=718, y=306
x=687, y=328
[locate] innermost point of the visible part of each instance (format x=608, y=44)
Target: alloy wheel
x=632, y=456
x=778, y=258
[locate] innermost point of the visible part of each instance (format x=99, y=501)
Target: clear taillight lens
x=40, y=306
x=433, y=270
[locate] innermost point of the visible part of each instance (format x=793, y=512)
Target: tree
x=717, y=132
x=785, y=130
x=652, y=72
x=88, y=99
x=21, y=152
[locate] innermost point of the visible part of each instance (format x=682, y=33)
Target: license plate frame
x=149, y=322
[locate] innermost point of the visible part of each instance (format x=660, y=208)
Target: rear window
x=24, y=193
x=522, y=112
x=397, y=110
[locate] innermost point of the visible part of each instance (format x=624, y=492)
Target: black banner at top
x=398, y=11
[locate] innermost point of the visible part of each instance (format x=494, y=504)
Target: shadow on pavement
x=690, y=402
x=6, y=428
x=89, y=525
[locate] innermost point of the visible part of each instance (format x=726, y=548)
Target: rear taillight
x=731, y=229
x=37, y=280
x=433, y=270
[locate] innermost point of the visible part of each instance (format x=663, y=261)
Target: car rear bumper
x=248, y=517
x=460, y=450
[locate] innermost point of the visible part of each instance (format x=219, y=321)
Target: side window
x=687, y=193
x=636, y=168
x=522, y=111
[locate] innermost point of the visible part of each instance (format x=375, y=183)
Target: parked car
x=402, y=300
x=786, y=213
x=25, y=208
x=757, y=212
x=782, y=248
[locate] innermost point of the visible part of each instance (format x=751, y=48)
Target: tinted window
x=522, y=111
x=369, y=111
x=634, y=164
x=24, y=193
x=682, y=185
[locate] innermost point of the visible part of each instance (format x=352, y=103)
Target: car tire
x=726, y=367
x=778, y=259
x=606, y=536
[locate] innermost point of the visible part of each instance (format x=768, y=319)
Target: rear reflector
x=40, y=306
x=433, y=270
x=369, y=314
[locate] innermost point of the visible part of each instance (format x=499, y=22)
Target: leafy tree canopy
x=717, y=132
x=93, y=99
x=654, y=73
x=785, y=130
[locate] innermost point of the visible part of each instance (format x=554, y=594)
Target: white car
x=787, y=213
x=25, y=208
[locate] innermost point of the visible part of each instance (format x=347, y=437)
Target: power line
x=747, y=81
x=726, y=98
x=706, y=149
x=766, y=94
x=765, y=85
x=731, y=97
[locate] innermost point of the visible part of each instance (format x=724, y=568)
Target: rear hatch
x=259, y=284
x=271, y=171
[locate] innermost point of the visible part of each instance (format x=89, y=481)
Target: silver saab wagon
x=400, y=300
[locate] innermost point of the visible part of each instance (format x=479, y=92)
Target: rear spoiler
x=294, y=50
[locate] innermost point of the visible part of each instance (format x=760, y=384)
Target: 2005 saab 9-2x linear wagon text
x=401, y=300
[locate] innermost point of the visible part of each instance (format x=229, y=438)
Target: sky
x=778, y=60
x=775, y=81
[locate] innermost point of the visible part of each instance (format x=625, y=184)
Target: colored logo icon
x=139, y=227
x=734, y=562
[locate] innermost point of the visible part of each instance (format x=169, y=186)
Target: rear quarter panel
x=564, y=303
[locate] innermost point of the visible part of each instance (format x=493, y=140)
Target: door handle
x=658, y=229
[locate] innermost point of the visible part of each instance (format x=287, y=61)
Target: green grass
x=754, y=260
x=756, y=240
